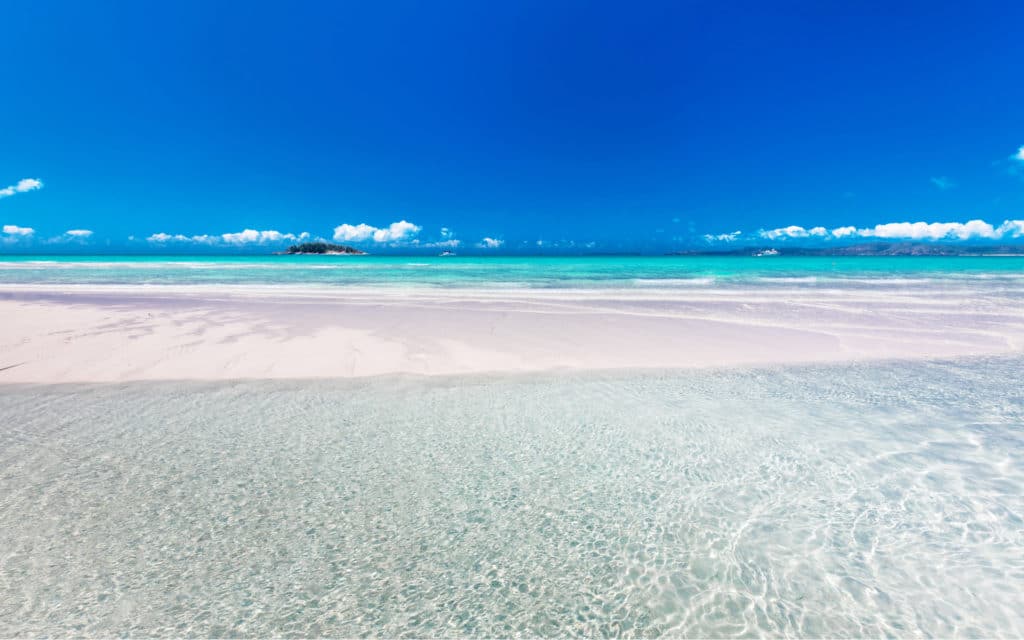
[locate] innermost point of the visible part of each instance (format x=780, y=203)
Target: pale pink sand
x=91, y=336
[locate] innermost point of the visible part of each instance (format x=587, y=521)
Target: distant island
x=323, y=248
x=869, y=249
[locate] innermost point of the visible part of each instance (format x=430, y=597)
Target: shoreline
x=100, y=335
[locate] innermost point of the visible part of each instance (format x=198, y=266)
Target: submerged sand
x=98, y=334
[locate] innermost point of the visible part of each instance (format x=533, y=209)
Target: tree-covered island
x=323, y=248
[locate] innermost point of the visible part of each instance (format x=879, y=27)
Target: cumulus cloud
x=943, y=183
x=490, y=243
x=24, y=185
x=78, y=233
x=395, y=232
x=970, y=230
x=353, y=233
x=723, y=237
x=1015, y=163
x=792, y=231
x=247, y=236
x=162, y=238
x=251, y=236
x=15, y=230
x=1011, y=229
x=932, y=230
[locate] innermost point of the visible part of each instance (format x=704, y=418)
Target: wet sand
x=150, y=333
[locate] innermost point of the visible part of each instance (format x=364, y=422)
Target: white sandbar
x=94, y=334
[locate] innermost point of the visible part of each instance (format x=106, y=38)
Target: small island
x=323, y=248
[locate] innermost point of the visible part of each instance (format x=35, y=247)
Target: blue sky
x=520, y=126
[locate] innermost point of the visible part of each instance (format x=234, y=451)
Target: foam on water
x=855, y=500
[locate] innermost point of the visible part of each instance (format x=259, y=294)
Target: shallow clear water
x=586, y=272
x=855, y=500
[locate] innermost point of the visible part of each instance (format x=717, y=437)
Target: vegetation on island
x=323, y=248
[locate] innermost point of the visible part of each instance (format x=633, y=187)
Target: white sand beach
x=97, y=334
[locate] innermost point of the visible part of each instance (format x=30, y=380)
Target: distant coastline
x=868, y=249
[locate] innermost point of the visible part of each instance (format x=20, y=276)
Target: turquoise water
x=882, y=500
x=498, y=272
x=865, y=500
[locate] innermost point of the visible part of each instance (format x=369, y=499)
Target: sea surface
x=829, y=501
x=846, y=500
x=601, y=272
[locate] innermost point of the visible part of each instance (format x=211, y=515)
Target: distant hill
x=323, y=248
x=873, y=249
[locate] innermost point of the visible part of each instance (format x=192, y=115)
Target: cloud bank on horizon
x=404, y=234
x=244, y=237
x=401, y=234
x=918, y=231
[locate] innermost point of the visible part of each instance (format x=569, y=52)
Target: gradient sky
x=583, y=125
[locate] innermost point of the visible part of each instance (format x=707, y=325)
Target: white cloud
x=242, y=237
x=247, y=236
x=24, y=185
x=970, y=230
x=161, y=238
x=723, y=237
x=15, y=230
x=931, y=230
x=443, y=244
x=447, y=241
x=1015, y=163
x=353, y=233
x=250, y=236
x=792, y=231
x=1011, y=229
x=78, y=233
x=490, y=243
x=395, y=232
x=842, y=232
x=943, y=183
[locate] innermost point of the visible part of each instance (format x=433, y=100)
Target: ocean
x=601, y=272
x=878, y=498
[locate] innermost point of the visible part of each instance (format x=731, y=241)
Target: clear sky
x=580, y=125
